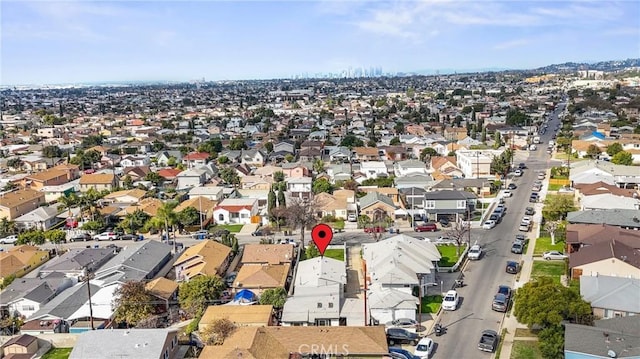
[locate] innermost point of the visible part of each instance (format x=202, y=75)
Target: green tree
x=278, y=176
x=52, y=151
x=55, y=236
x=134, y=221
x=132, y=303
x=223, y=160
x=189, y=216
x=7, y=227
x=127, y=182
x=195, y=295
x=165, y=217
x=274, y=296
x=593, y=151
x=614, y=148
x=269, y=147
x=155, y=178
x=483, y=135
x=172, y=161
x=516, y=117
x=289, y=158
x=230, y=176
x=312, y=251
x=351, y=141
x=556, y=207
x=497, y=140
x=271, y=202
x=238, y=143
x=322, y=185
x=622, y=158
x=318, y=166
x=427, y=153
x=301, y=214
x=15, y=162
x=281, y=198
x=32, y=236
x=551, y=342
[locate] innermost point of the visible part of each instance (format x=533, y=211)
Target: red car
x=374, y=229
x=426, y=227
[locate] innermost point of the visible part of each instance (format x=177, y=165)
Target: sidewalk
x=355, y=273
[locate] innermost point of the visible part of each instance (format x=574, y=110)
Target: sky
x=52, y=42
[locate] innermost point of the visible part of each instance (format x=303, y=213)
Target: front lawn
x=449, y=256
x=233, y=228
x=335, y=253
x=552, y=269
x=58, y=353
x=555, y=187
x=525, y=349
x=431, y=303
x=543, y=244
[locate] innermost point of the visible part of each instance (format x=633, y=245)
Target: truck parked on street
x=488, y=341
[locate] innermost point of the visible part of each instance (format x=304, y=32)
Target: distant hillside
x=607, y=66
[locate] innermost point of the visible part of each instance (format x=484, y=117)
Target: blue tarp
x=244, y=295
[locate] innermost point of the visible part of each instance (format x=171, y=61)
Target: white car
x=541, y=175
x=489, y=224
x=450, y=300
x=518, y=173
x=424, y=348
x=554, y=255
x=9, y=240
x=507, y=193
x=474, y=252
x=352, y=218
x=105, y=236
x=526, y=219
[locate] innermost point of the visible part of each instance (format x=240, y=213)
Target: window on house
x=462, y=204
x=431, y=204
x=221, y=217
x=330, y=305
x=28, y=307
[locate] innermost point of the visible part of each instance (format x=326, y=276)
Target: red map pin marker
x=322, y=235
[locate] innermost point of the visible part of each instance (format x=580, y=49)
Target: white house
x=40, y=218
x=387, y=304
x=214, y=193
x=134, y=161
x=409, y=167
x=299, y=186
x=25, y=296
x=374, y=169
x=193, y=177
x=402, y=262
x=476, y=163
x=608, y=201
x=235, y=211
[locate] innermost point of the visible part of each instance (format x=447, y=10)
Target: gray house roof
x=627, y=218
x=449, y=195
x=461, y=183
x=121, y=343
x=373, y=197
x=66, y=303
x=615, y=293
x=76, y=259
x=619, y=335
x=35, y=289
x=137, y=261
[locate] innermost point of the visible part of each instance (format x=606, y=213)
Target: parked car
x=522, y=165
x=105, y=236
x=554, y=255
x=289, y=241
x=403, y=323
x=521, y=238
x=474, y=252
x=450, y=300
x=128, y=237
x=399, y=353
x=352, y=217
x=518, y=173
x=496, y=217
x=444, y=222
x=512, y=186
x=9, y=239
x=201, y=234
x=376, y=229
x=506, y=290
x=488, y=341
x=507, y=193
x=424, y=348
x=489, y=224
x=426, y=227
x=541, y=175
x=500, y=303
x=512, y=267
x=517, y=248
x=400, y=336
x=533, y=198
x=258, y=233
x=529, y=211
x=80, y=238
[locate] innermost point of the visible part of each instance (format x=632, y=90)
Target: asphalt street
x=483, y=277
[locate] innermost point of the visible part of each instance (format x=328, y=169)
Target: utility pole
x=87, y=277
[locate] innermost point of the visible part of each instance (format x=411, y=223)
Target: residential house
x=401, y=262
x=409, y=167
x=596, y=171
x=258, y=278
x=295, y=170
x=20, y=260
x=330, y=205
x=235, y=211
x=590, y=189
x=240, y=315
x=193, y=177
x=624, y=218
x=137, y=147
x=195, y=159
x=127, y=343
x=135, y=161
x=319, y=296
x=447, y=166
x=476, y=163
x=253, y=158
x=451, y=204
x=50, y=177
x=148, y=205
x=377, y=207
x=300, y=187
x=387, y=304
x=585, y=235
x=21, y=346
x=164, y=158
x=260, y=254
x=213, y=193
x=611, y=297
x=99, y=182
x=42, y=218
x=306, y=154
x=124, y=197
x=479, y=186
x=608, y=201
x=374, y=169
x=136, y=261
x=74, y=262
x=414, y=180
x=606, y=338
x=301, y=342
x=413, y=200
x=365, y=154
x=610, y=258
x=203, y=205
x=136, y=173
x=206, y=258
x=169, y=174
x=256, y=182
x=19, y=202
x=338, y=154
x=339, y=172
x=165, y=290
x=24, y=296
x=259, y=194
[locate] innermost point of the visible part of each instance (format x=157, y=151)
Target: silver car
x=554, y=255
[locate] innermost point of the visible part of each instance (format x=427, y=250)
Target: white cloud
x=511, y=44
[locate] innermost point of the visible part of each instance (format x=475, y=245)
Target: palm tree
x=318, y=166
x=165, y=217
x=7, y=227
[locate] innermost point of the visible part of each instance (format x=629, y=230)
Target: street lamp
x=86, y=276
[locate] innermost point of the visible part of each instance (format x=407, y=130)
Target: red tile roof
x=169, y=173
x=196, y=156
